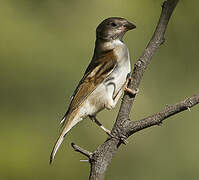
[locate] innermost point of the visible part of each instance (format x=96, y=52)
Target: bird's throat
x=104, y=46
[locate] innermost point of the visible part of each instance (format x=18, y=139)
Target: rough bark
x=123, y=127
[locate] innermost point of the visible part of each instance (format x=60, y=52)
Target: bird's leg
x=117, y=96
x=94, y=119
x=125, y=88
x=130, y=91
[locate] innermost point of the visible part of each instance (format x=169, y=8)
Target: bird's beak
x=129, y=26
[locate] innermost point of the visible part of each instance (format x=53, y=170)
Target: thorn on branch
x=84, y=160
x=82, y=151
x=162, y=41
x=188, y=104
x=159, y=123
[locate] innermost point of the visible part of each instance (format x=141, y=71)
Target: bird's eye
x=113, y=24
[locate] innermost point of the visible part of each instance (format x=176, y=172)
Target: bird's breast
x=112, y=84
x=122, y=69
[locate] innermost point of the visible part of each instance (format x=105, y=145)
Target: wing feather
x=97, y=71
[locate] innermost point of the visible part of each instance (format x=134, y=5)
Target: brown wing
x=95, y=74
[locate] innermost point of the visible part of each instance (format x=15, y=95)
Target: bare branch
x=82, y=151
x=103, y=155
x=142, y=63
x=157, y=118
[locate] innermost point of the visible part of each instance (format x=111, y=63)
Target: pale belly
x=110, y=87
x=105, y=92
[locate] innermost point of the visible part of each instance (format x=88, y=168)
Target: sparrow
x=104, y=79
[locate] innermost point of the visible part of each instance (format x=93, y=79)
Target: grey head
x=113, y=28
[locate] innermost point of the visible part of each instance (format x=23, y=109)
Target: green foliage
x=46, y=46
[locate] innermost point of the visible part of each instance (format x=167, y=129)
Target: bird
x=104, y=80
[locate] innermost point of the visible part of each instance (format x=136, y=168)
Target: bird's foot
x=131, y=91
x=123, y=139
x=128, y=90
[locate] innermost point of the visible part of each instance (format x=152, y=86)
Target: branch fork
x=123, y=127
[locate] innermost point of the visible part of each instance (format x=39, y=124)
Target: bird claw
x=123, y=140
x=128, y=90
x=131, y=91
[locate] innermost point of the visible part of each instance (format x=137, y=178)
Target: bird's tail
x=72, y=121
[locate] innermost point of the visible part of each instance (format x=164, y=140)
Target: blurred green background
x=46, y=45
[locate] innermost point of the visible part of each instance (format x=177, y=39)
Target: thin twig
x=157, y=118
x=82, y=151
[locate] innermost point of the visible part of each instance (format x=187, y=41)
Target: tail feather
x=55, y=148
x=63, y=121
x=71, y=122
